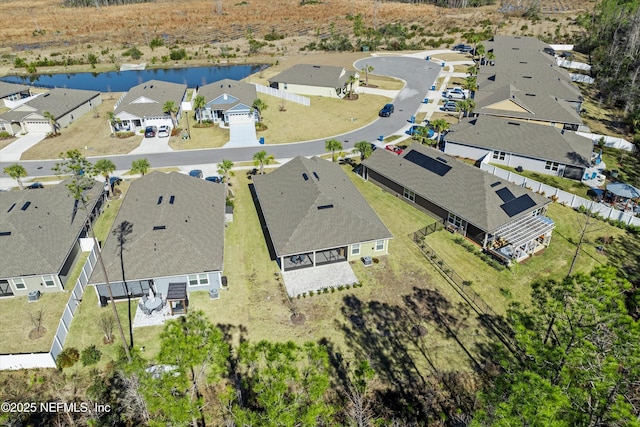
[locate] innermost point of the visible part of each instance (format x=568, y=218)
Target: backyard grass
x=625, y=163
x=569, y=185
x=103, y=225
x=89, y=134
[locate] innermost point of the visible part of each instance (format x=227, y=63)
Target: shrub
x=333, y=289
x=375, y=260
x=177, y=54
x=67, y=358
x=90, y=355
x=123, y=135
x=4, y=135
x=133, y=52
x=311, y=293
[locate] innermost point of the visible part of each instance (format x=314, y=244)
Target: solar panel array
x=428, y=163
x=518, y=205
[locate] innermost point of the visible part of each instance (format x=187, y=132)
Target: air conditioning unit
x=214, y=294
x=367, y=261
x=34, y=296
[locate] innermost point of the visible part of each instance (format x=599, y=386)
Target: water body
x=122, y=81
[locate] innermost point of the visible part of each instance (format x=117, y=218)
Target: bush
x=4, y=135
x=133, y=52
x=123, y=135
x=177, y=54
x=68, y=357
x=90, y=355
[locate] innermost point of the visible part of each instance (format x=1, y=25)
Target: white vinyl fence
x=48, y=360
x=561, y=196
x=298, y=99
x=609, y=141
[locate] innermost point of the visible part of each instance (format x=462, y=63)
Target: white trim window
x=499, y=155
x=409, y=195
x=18, y=282
x=551, y=166
x=379, y=245
x=456, y=221
x=49, y=282
x=198, y=279
x=355, y=249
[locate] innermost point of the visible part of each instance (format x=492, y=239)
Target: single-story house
x=144, y=105
x=169, y=229
x=13, y=92
x=65, y=105
x=505, y=219
x=228, y=101
x=533, y=147
x=40, y=233
x=318, y=80
x=314, y=215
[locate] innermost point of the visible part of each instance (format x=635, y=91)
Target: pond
x=122, y=81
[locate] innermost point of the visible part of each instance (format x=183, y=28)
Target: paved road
x=418, y=74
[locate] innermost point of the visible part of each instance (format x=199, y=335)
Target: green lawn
x=569, y=185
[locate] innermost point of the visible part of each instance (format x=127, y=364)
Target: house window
x=551, y=166
x=198, y=279
x=355, y=249
x=48, y=281
x=19, y=284
x=409, y=195
x=456, y=221
x=499, y=155
x=379, y=245
x=285, y=86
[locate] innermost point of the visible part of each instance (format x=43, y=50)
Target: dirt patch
x=298, y=319
x=37, y=333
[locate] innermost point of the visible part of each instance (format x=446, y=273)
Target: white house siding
x=76, y=113
x=328, y=92
x=157, y=121
x=459, y=150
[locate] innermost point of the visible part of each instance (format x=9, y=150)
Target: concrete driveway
x=13, y=151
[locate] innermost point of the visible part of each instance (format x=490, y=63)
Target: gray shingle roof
x=58, y=101
x=192, y=240
x=527, y=139
x=8, y=89
x=147, y=99
x=314, y=75
x=245, y=93
x=43, y=233
x=290, y=205
x=464, y=190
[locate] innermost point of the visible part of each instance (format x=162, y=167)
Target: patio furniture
x=153, y=304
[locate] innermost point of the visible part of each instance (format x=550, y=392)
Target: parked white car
x=456, y=93
x=164, y=131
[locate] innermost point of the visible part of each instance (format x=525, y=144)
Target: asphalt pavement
x=418, y=74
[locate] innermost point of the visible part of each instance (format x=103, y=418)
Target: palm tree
x=105, y=167
x=333, y=145
x=170, y=108
x=465, y=107
x=480, y=51
x=490, y=58
x=199, y=103
x=261, y=158
x=16, y=172
x=225, y=168
x=259, y=105
x=52, y=121
x=350, y=81
x=440, y=125
x=367, y=69
x=471, y=83
x=472, y=69
x=364, y=148
x=140, y=166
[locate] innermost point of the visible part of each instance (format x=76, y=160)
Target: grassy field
x=6, y=141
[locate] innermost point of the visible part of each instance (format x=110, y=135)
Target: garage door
x=37, y=126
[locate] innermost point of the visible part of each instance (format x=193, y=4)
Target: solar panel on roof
x=25, y=206
x=428, y=163
x=505, y=194
x=518, y=205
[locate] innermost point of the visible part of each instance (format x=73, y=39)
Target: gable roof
x=523, y=138
x=314, y=75
x=324, y=210
x=44, y=225
x=237, y=93
x=57, y=101
x=8, y=89
x=147, y=99
x=455, y=186
x=191, y=211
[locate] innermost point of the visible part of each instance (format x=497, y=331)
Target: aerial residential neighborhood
x=393, y=234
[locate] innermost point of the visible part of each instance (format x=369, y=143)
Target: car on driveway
x=464, y=48
x=456, y=93
x=196, y=173
x=394, y=149
x=213, y=179
x=35, y=185
x=417, y=130
x=386, y=111
x=450, y=106
x=150, y=131
x=164, y=131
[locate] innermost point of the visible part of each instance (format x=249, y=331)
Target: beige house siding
x=75, y=114
x=35, y=283
x=507, y=105
x=368, y=249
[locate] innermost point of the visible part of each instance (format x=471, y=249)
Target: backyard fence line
x=609, y=141
x=463, y=288
x=298, y=99
x=563, y=197
x=48, y=359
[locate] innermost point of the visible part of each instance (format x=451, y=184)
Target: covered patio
x=520, y=239
x=313, y=259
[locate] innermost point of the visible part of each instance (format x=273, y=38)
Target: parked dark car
x=549, y=50
x=115, y=180
x=196, y=173
x=464, y=48
x=213, y=179
x=386, y=111
x=35, y=185
x=150, y=131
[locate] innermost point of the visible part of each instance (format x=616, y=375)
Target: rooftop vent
x=515, y=48
x=495, y=184
x=25, y=206
x=513, y=123
x=316, y=66
x=527, y=77
x=11, y=208
x=5, y=233
x=305, y=176
x=316, y=175
x=441, y=159
x=325, y=207
x=159, y=199
x=172, y=199
x=523, y=62
x=530, y=94
x=159, y=227
x=45, y=95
